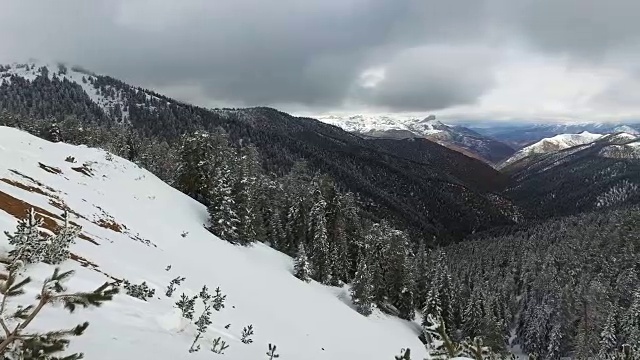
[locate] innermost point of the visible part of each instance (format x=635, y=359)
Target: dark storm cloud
x=309, y=53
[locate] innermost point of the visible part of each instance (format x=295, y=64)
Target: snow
x=365, y=124
x=552, y=144
x=305, y=320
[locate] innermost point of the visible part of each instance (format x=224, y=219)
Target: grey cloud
x=308, y=53
x=432, y=78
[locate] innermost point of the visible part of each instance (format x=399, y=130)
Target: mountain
x=522, y=135
x=552, y=144
x=134, y=227
x=421, y=197
x=458, y=138
x=585, y=177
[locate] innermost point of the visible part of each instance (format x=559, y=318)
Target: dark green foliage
x=20, y=344
x=172, y=285
x=186, y=305
x=219, y=346
x=272, y=352
x=141, y=291
x=247, y=332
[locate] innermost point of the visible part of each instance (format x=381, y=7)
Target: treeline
x=568, y=287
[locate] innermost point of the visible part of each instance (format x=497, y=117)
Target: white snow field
x=132, y=229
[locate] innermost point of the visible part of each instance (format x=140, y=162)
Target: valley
x=336, y=238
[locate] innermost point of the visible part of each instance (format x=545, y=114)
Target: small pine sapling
x=247, y=332
x=56, y=248
x=204, y=320
x=172, y=285
x=272, y=352
x=186, y=305
x=20, y=344
x=227, y=326
x=405, y=354
x=141, y=291
x=28, y=244
x=218, y=300
x=167, y=268
x=219, y=346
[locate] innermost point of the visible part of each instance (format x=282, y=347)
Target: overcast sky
x=464, y=59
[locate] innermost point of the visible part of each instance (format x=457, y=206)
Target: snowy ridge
x=133, y=227
x=367, y=124
x=108, y=98
x=552, y=144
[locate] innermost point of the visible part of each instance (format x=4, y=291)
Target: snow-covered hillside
x=552, y=144
x=457, y=138
x=108, y=98
x=371, y=125
x=134, y=227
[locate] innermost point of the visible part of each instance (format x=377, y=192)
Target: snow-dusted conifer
x=141, y=291
x=217, y=301
x=172, y=285
x=247, y=332
x=362, y=288
x=204, y=320
x=27, y=242
x=57, y=246
x=187, y=306
x=16, y=342
x=301, y=268
x=320, y=255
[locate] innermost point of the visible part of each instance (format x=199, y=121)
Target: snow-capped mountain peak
x=457, y=138
x=566, y=141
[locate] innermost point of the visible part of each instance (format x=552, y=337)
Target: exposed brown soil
x=22, y=186
x=19, y=208
x=110, y=224
x=34, y=181
x=84, y=170
x=50, y=169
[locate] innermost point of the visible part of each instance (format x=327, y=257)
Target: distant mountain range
x=413, y=184
x=573, y=173
x=522, y=135
x=459, y=138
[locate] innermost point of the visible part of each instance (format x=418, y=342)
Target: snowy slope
x=552, y=144
x=75, y=74
x=371, y=125
x=457, y=138
x=132, y=225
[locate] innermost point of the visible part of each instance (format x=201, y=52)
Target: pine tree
x=16, y=342
x=301, y=265
x=439, y=343
x=247, y=332
x=272, y=352
x=362, y=288
x=187, y=306
x=217, y=301
x=219, y=346
x=172, y=285
x=321, y=257
x=57, y=246
x=27, y=242
x=246, y=195
x=608, y=336
x=204, y=320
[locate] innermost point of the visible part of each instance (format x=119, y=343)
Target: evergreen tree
x=301, y=268
x=362, y=288
x=187, y=306
x=27, y=242
x=16, y=342
x=321, y=256
x=57, y=246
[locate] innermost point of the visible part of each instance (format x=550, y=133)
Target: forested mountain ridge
x=423, y=197
x=458, y=138
x=600, y=174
